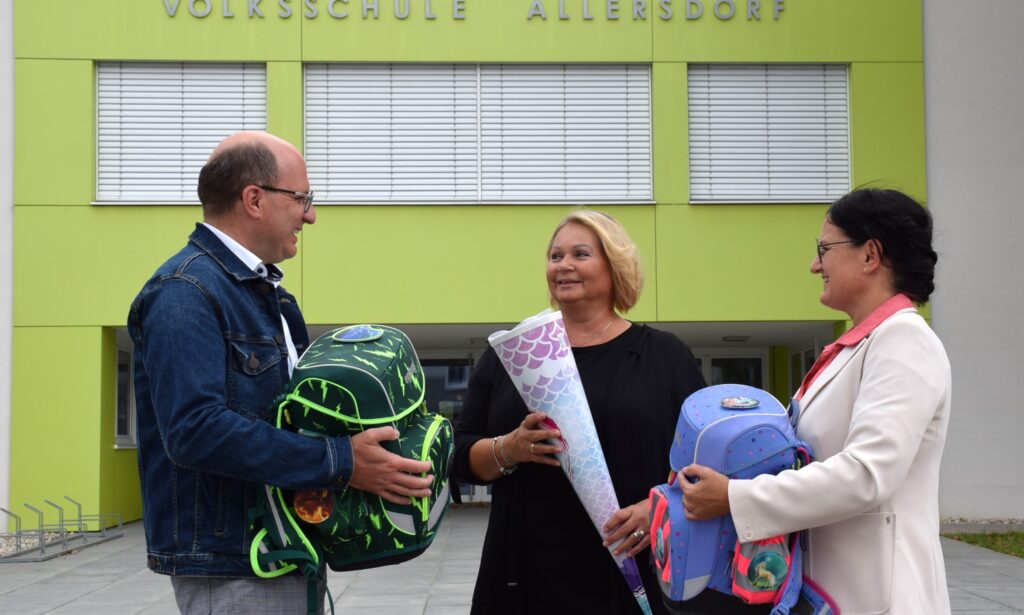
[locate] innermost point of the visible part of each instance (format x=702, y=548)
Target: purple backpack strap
x=814, y=601
x=800, y=595
x=789, y=593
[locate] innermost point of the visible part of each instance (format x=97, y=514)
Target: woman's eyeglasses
x=824, y=247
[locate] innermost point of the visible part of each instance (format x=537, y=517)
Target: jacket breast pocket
x=854, y=561
x=254, y=376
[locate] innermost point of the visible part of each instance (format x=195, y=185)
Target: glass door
x=447, y=383
x=734, y=365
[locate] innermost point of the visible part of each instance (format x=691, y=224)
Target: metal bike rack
x=69, y=534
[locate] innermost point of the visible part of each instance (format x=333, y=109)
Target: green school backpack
x=349, y=380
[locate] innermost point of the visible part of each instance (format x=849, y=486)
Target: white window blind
x=392, y=132
x=768, y=133
x=566, y=132
x=417, y=133
x=158, y=122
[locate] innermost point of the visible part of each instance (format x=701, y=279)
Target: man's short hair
x=228, y=172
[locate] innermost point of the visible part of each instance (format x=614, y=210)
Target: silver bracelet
x=501, y=447
x=505, y=471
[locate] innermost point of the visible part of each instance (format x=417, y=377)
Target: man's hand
x=380, y=471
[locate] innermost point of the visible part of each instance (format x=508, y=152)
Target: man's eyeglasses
x=306, y=198
x=824, y=247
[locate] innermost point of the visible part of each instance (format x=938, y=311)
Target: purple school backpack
x=742, y=432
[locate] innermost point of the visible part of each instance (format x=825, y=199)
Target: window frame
x=705, y=355
x=125, y=440
x=480, y=193
x=200, y=96
x=804, y=356
x=731, y=141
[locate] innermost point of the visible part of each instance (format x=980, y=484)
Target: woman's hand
x=628, y=527
x=705, y=492
x=526, y=443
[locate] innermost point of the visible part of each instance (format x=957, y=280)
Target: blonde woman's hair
x=622, y=254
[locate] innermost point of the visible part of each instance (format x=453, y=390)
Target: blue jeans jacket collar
x=205, y=240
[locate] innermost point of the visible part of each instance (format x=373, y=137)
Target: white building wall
x=6, y=240
x=974, y=104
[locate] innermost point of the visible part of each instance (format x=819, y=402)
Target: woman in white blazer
x=874, y=408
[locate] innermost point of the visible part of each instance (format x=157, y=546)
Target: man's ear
x=252, y=202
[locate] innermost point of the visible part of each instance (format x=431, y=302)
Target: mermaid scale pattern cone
x=538, y=358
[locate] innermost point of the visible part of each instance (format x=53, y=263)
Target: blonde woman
x=541, y=553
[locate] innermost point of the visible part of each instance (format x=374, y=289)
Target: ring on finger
x=639, y=534
x=532, y=444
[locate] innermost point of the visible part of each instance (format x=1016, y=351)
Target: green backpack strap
x=283, y=561
x=281, y=547
x=270, y=564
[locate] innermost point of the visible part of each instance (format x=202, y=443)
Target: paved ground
x=111, y=579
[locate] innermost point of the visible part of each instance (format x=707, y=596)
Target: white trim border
x=6, y=241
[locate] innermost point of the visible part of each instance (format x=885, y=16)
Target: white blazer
x=876, y=420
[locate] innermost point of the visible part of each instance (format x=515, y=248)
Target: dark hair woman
x=875, y=408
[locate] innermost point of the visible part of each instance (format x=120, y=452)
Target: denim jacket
x=210, y=357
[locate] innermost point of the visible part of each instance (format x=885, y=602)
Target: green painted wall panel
x=738, y=263
x=493, y=31
x=54, y=155
x=437, y=264
x=105, y=255
x=695, y=256
x=115, y=250
x=670, y=142
x=143, y=30
x=795, y=367
x=779, y=360
x=284, y=96
x=806, y=31
x=56, y=394
x=829, y=30
x=887, y=126
x=442, y=264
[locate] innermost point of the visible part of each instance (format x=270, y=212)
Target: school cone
x=538, y=358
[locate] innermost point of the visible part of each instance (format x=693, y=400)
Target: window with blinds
x=464, y=133
x=158, y=122
x=768, y=133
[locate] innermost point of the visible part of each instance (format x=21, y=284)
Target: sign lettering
x=666, y=10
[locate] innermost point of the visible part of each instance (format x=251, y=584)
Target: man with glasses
x=216, y=337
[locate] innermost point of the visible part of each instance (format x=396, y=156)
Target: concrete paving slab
x=112, y=579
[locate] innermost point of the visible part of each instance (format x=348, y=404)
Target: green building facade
x=730, y=276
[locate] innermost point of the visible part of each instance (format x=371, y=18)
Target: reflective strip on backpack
x=440, y=505
x=284, y=540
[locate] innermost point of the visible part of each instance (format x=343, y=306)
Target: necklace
x=593, y=336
